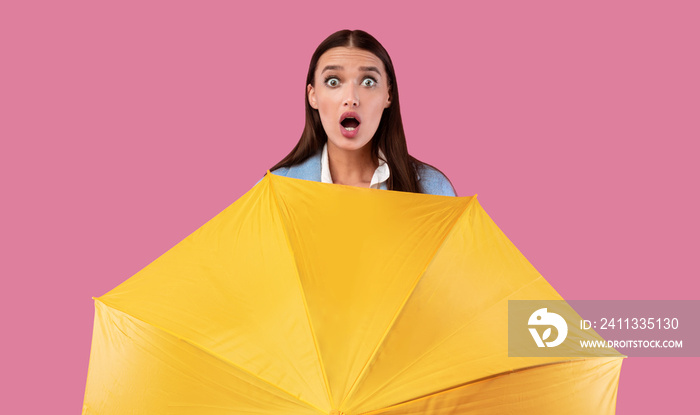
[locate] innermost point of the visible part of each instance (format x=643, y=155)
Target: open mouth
x=350, y=122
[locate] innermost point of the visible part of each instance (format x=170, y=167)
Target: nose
x=351, y=98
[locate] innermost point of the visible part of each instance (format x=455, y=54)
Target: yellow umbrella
x=309, y=298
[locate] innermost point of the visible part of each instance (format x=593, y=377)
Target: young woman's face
x=350, y=92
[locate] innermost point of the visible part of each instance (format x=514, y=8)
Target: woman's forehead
x=347, y=58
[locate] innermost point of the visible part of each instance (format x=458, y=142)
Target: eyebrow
x=362, y=68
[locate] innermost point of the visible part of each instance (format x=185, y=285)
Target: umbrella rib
x=461, y=327
x=303, y=296
x=363, y=372
x=475, y=381
x=216, y=355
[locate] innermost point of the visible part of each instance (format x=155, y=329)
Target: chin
x=349, y=144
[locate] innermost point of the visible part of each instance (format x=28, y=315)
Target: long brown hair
x=390, y=137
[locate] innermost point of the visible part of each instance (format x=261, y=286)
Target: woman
x=353, y=133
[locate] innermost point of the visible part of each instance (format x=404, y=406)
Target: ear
x=388, y=99
x=311, y=95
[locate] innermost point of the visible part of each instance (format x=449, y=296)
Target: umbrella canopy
x=310, y=298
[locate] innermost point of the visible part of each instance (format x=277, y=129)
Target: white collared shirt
x=381, y=174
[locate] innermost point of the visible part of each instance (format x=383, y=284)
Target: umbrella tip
x=335, y=412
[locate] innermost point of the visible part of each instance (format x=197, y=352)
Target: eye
x=369, y=82
x=332, y=81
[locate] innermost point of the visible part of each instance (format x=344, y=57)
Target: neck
x=351, y=167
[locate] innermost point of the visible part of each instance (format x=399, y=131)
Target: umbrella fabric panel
x=136, y=368
x=359, y=267
x=580, y=387
x=232, y=288
x=453, y=329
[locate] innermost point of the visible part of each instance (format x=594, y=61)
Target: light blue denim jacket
x=430, y=180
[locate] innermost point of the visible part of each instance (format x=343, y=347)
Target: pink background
x=126, y=126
